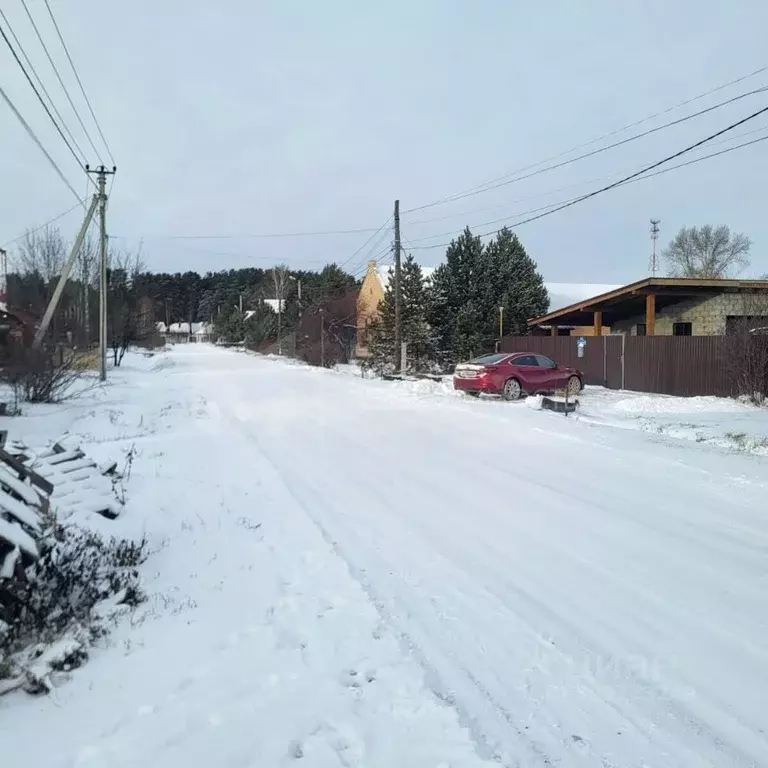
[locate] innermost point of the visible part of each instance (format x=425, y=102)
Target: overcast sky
x=236, y=117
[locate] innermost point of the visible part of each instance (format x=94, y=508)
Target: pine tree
x=520, y=287
x=413, y=314
x=467, y=291
x=455, y=307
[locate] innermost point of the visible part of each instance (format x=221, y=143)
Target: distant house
x=17, y=328
x=370, y=296
x=185, y=332
x=662, y=306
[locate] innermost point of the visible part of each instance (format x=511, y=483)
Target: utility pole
x=398, y=286
x=101, y=174
x=501, y=323
x=654, y=263
x=87, y=295
x=53, y=303
x=4, y=276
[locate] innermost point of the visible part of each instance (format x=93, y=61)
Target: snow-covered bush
x=78, y=570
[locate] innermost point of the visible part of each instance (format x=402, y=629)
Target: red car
x=512, y=375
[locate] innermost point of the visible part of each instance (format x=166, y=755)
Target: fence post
x=605, y=363
x=623, y=345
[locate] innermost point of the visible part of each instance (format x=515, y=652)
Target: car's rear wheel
x=574, y=386
x=512, y=390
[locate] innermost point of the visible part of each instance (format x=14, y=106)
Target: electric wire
x=60, y=79
x=80, y=84
x=638, y=174
x=503, y=181
x=45, y=107
x=31, y=66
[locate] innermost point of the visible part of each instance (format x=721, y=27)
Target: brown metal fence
x=672, y=365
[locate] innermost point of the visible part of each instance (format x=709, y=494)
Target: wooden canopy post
x=553, y=331
x=598, y=317
x=650, y=314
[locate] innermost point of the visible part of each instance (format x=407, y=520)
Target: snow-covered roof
x=196, y=328
x=383, y=273
x=564, y=294
x=161, y=327
x=275, y=304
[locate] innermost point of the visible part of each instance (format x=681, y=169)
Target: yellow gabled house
x=370, y=296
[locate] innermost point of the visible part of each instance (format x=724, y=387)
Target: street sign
x=581, y=343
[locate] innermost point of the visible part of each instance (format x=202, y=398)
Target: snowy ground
x=359, y=573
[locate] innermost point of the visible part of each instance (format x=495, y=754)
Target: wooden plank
x=11, y=481
x=62, y=457
x=18, y=509
x=62, y=469
x=25, y=472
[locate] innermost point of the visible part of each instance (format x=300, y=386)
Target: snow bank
x=663, y=404
x=714, y=421
x=535, y=403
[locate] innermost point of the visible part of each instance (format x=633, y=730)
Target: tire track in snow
x=432, y=676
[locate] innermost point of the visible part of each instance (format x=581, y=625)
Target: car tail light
x=491, y=369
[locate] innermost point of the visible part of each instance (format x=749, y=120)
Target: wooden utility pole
x=4, y=274
x=398, y=286
x=87, y=295
x=101, y=174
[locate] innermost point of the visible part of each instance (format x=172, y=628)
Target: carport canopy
x=645, y=297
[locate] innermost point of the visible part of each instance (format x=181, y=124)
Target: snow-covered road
x=491, y=582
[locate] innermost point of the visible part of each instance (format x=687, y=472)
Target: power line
x=363, y=263
x=360, y=271
x=37, y=141
x=643, y=120
x=45, y=107
x=42, y=86
x=549, y=192
x=609, y=176
x=43, y=226
x=261, y=235
x=634, y=176
x=80, y=83
x=365, y=244
x=61, y=81
x=505, y=180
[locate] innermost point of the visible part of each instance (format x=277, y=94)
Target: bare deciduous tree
x=707, y=252
x=43, y=252
x=124, y=322
x=747, y=348
x=280, y=277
